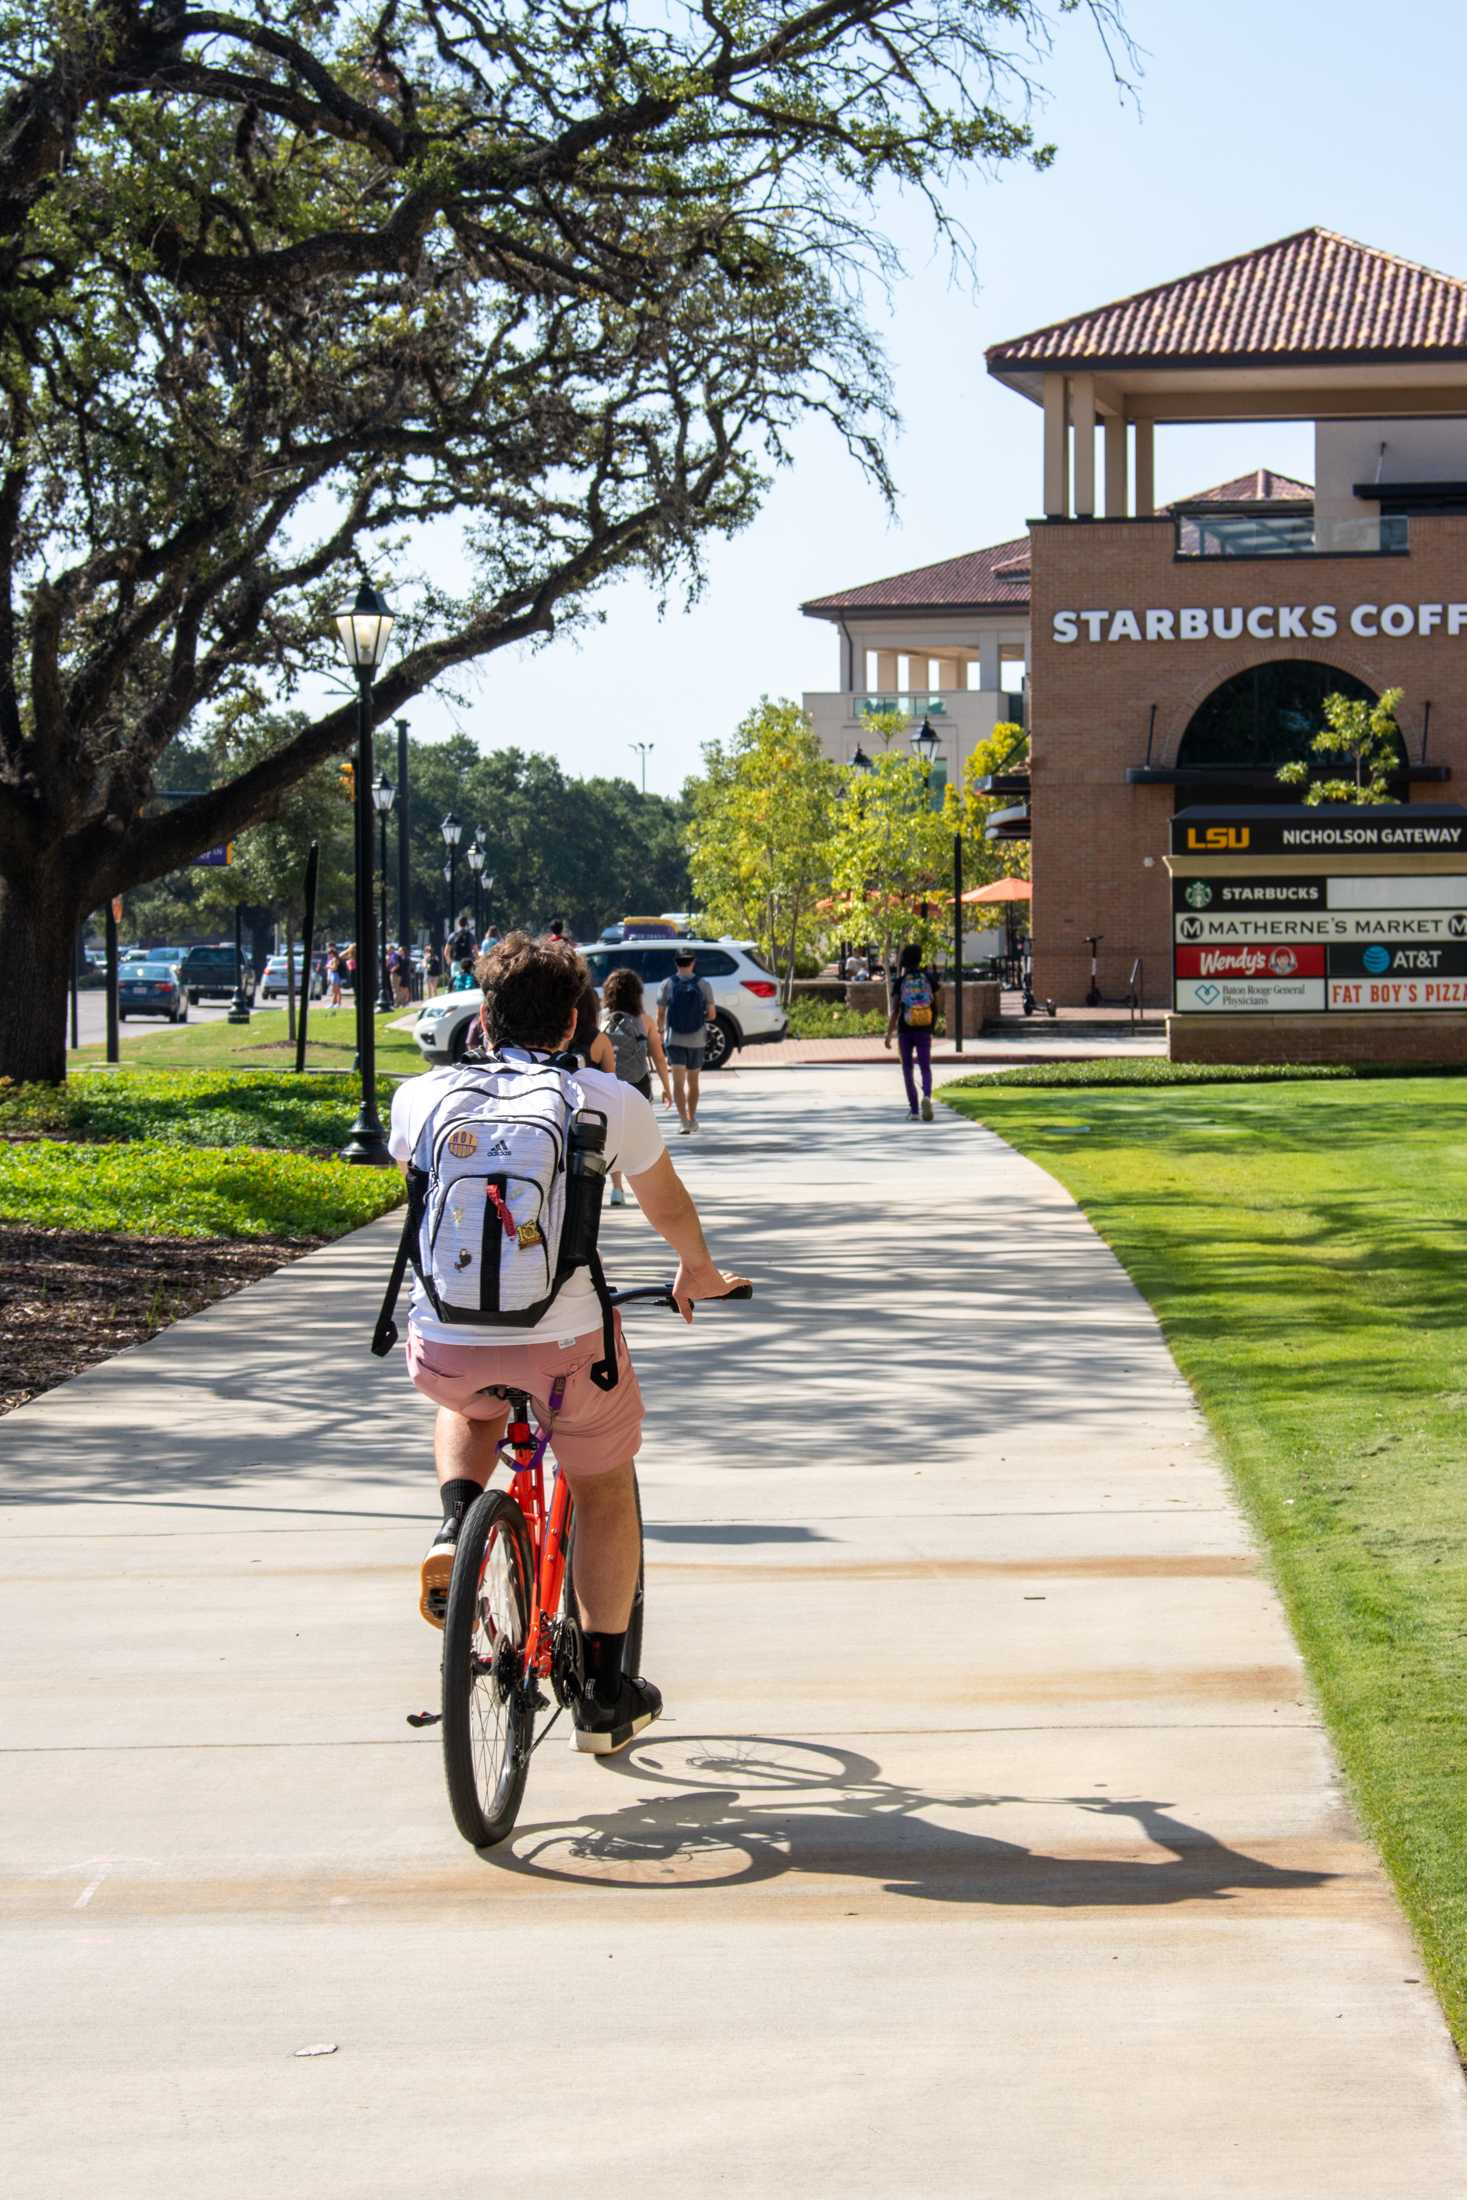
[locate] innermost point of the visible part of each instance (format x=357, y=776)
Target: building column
x=1082, y=406
x=852, y=677
x=1115, y=466
x=888, y=679
x=1056, y=449
x=1145, y=469
x=988, y=664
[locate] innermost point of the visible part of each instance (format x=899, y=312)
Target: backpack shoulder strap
x=604, y=1374
x=384, y=1336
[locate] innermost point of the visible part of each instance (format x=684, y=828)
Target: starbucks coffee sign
x=1260, y=622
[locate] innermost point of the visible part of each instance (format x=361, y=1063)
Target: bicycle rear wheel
x=631, y=1657
x=487, y=1718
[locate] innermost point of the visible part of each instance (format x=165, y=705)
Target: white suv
x=746, y=1000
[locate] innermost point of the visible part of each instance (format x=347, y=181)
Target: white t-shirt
x=633, y=1143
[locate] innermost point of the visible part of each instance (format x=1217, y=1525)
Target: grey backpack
x=628, y=1044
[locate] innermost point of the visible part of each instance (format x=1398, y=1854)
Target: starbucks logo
x=1199, y=893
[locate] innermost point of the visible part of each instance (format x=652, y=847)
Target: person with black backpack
x=505, y=1159
x=913, y=1014
x=684, y=1012
x=636, y=1047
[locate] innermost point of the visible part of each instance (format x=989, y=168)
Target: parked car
x=209, y=973
x=745, y=999
x=273, y=982
x=151, y=989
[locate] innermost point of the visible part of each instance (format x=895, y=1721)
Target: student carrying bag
x=504, y=1203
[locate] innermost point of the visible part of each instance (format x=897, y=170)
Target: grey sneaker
x=927, y=1107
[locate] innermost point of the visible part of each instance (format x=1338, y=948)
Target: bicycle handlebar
x=660, y=1294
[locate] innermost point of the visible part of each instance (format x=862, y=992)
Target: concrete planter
x=980, y=1006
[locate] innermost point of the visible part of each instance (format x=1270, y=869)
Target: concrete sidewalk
x=990, y=1847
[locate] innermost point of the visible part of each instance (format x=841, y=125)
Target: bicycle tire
x=486, y=1713
x=631, y=1657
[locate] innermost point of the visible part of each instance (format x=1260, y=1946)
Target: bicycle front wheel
x=486, y=1712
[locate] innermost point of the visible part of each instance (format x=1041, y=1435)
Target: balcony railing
x=905, y=706
x=1289, y=535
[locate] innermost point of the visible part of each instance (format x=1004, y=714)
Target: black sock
x=458, y=1496
x=603, y=1656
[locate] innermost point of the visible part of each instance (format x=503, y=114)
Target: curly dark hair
x=531, y=990
x=623, y=990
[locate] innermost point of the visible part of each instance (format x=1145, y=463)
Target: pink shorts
x=594, y=1430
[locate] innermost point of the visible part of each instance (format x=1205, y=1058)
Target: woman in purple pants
x=913, y=1012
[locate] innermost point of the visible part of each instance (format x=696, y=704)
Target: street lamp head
x=925, y=742
x=861, y=762
x=452, y=830
x=481, y=836
x=384, y=794
x=365, y=628
x=475, y=856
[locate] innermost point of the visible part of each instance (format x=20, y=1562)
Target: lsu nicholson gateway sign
x=1374, y=918
x=1260, y=622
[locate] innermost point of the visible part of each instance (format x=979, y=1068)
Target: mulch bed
x=69, y=1298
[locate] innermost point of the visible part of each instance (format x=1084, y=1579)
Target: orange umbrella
x=1002, y=889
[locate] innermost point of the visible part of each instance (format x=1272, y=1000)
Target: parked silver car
x=747, y=1008
x=273, y=982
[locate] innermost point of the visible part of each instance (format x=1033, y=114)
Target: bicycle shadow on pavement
x=747, y=1807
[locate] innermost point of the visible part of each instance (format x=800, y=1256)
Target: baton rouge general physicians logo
x=1199, y=894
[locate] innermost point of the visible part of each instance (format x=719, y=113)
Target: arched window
x=1264, y=717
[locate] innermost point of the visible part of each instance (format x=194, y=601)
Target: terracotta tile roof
x=997, y=578
x=978, y=580
x=1262, y=486
x=1312, y=295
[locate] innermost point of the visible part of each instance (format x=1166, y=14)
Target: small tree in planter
x=1361, y=736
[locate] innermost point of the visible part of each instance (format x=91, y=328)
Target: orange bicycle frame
x=549, y=1526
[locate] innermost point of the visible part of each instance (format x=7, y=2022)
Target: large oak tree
x=285, y=283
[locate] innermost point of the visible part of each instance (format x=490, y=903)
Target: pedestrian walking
x=333, y=974
x=684, y=1012
x=636, y=1047
x=913, y=1011
x=432, y=969
x=589, y=1041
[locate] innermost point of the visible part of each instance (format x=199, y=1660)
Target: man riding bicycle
x=531, y=991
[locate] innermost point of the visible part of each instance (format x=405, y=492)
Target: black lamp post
x=239, y=1007
x=365, y=627
x=925, y=745
x=453, y=832
x=384, y=794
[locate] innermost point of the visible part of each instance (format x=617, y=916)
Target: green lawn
x=146, y=1189
x=1303, y=1244
x=261, y=1044
x=191, y=1108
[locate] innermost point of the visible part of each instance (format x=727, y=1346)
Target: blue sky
x=1254, y=120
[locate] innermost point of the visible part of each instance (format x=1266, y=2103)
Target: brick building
x=1163, y=658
